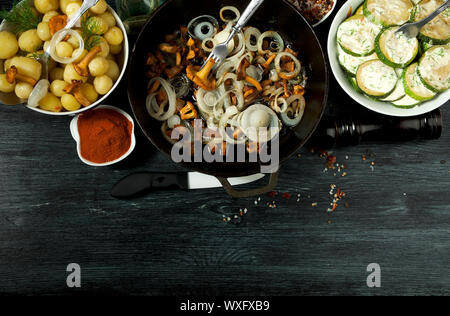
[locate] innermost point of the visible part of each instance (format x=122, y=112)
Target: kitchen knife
x=143, y=182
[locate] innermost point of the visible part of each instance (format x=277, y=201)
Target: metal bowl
x=122, y=61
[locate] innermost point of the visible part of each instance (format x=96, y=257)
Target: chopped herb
x=21, y=17
x=89, y=29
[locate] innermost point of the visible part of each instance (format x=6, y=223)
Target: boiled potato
x=43, y=31
x=29, y=41
x=37, y=54
x=103, y=84
x=70, y=74
x=46, y=18
x=98, y=66
x=44, y=6
x=99, y=8
x=84, y=53
x=50, y=103
x=113, y=70
x=73, y=40
x=105, y=47
x=23, y=90
x=72, y=8
x=64, y=49
x=89, y=92
x=97, y=25
x=57, y=87
x=64, y=3
x=26, y=66
x=114, y=36
x=56, y=74
x=115, y=49
x=109, y=19
x=5, y=86
x=9, y=43
x=69, y=102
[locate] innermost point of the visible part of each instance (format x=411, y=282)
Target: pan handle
x=273, y=181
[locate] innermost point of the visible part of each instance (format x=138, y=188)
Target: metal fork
x=411, y=30
x=220, y=52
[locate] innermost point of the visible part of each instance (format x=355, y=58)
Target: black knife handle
x=144, y=182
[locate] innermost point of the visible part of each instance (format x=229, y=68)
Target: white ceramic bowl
x=341, y=77
x=76, y=137
x=327, y=15
x=122, y=61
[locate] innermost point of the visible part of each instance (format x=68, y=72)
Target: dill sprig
x=21, y=17
x=89, y=28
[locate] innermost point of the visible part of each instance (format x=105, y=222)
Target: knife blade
x=145, y=182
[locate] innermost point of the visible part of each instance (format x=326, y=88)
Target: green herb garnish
x=36, y=55
x=89, y=30
x=21, y=17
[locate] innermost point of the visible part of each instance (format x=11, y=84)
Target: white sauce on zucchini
x=398, y=92
x=415, y=84
x=398, y=48
x=378, y=77
x=358, y=34
x=406, y=101
x=390, y=12
x=439, y=27
x=434, y=67
x=350, y=62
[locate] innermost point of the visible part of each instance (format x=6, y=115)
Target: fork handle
x=87, y=4
x=438, y=11
x=248, y=13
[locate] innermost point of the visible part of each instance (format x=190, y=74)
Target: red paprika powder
x=105, y=135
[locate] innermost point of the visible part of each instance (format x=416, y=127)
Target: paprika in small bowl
x=104, y=135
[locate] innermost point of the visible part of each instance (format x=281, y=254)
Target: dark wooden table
x=54, y=210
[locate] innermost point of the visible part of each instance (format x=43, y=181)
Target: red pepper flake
x=273, y=193
x=286, y=196
x=331, y=159
x=335, y=205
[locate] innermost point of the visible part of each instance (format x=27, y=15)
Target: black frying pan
x=174, y=13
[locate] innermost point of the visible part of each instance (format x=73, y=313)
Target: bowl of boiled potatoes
x=86, y=62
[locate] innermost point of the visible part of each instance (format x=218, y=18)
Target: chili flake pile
x=313, y=10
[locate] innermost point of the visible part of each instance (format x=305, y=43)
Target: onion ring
x=232, y=9
x=251, y=31
x=205, y=47
x=282, y=74
x=298, y=112
x=195, y=27
x=173, y=121
x=57, y=38
x=157, y=110
x=273, y=35
x=39, y=91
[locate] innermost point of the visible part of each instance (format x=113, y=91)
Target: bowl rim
x=76, y=136
x=340, y=76
x=326, y=16
x=126, y=52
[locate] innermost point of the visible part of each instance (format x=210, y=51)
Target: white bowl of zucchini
x=388, y=72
